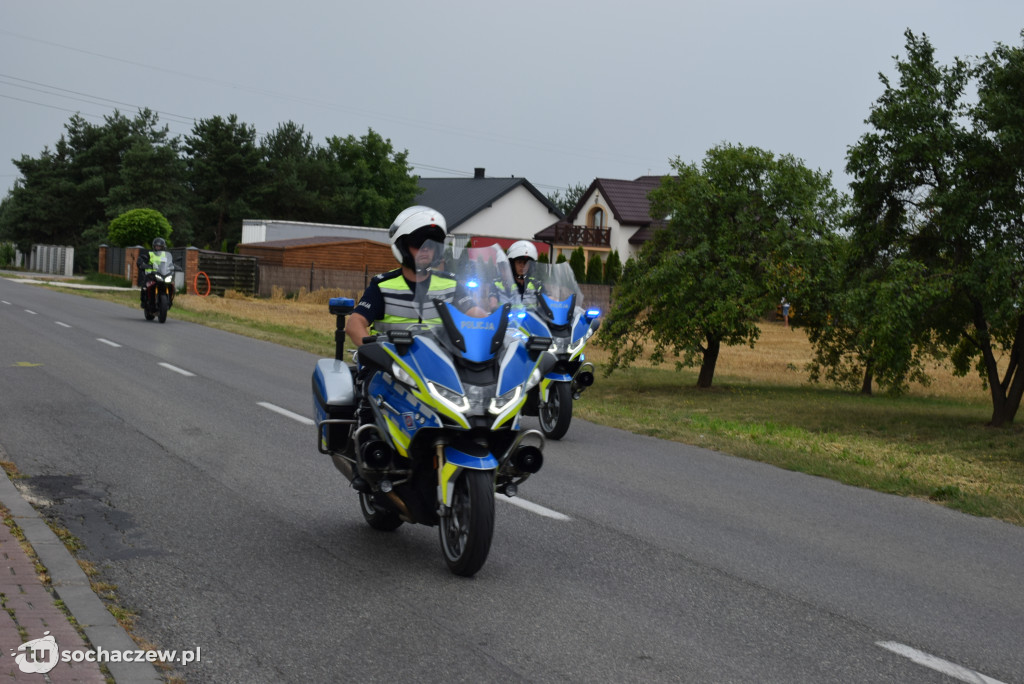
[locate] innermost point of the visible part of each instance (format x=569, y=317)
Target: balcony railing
x=568, y=234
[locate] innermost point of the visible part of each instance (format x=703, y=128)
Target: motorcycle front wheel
x=555, y=414
x=162, y=305
x=467, y=530
x=378, y=517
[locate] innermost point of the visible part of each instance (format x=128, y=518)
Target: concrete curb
x=72, y=586
x=75, y=286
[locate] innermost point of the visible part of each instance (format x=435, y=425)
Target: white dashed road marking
x=285, y=412
x=534, y=508
x=182, y=371
x=938, y=664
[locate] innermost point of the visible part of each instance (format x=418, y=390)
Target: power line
x=441, y=128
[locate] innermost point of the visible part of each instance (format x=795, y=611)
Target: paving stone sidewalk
x=31, y=611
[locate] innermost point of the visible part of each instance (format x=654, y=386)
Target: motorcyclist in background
x=147, y=262
x=523, y=255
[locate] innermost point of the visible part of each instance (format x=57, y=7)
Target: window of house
x=596, y=218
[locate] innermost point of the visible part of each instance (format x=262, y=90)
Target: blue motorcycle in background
x=556, y=311
x=426, y=426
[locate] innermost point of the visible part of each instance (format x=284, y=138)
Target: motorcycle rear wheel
x=378, y=517
x=467, y=531
x=555, y=414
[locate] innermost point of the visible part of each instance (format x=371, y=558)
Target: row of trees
x=204, y=183
x=924, y=260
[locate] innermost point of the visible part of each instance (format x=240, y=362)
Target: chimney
x=478, y=172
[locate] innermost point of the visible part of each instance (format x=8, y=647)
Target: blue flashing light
x=593, y=313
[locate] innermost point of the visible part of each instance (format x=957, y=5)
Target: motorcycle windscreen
x=165, y=265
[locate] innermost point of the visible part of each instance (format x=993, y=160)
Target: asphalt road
x=180, y=458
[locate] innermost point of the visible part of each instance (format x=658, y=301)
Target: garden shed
x=318, y=262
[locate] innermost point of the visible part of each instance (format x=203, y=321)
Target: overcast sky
x=557, y=92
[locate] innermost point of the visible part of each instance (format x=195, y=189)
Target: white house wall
x=619, y=237
x=516, y=214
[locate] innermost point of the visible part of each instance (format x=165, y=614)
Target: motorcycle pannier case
x=334, y=399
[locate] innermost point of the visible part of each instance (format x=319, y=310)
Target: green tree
x=153, y=174
x=296, y=184
x=225, y=173
x=372, y=183
x=937, y=189
x=67, y=195
x=578, y=263
x=138, y=227
x=595, y=269
x=740, y=232
x=612, y=268
x=567, y=201
x=863, y=319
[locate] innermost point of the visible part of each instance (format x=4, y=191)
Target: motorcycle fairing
x=478, y=334
x=431, y=363
x=395, y=401
x=531, y=323
x=560, y=309
x=418, y=381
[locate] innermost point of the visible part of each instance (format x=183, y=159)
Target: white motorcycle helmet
x=523, y=248
x=411, y=227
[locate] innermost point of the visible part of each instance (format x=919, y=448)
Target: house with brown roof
x=611, y=215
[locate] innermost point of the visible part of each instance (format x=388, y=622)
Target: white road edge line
x=63, y=325
x=533, y=508
x=938, y=664
x=285, y=412
x=105, y=341
x=5, y=302
x=181, y=371
x=31, y=312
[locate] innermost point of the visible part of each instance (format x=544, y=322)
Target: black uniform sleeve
x=371, y=304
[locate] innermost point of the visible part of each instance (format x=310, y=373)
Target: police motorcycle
x=158, y=290
x=557, y=311
x=426, y=425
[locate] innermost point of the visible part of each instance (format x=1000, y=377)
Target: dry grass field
x=779, y=357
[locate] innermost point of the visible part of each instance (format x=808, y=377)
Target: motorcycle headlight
x=402, y=375
x=578, y=344
x=167, y=278
x=535, y=377
x=499, y=404
x=452, y=399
